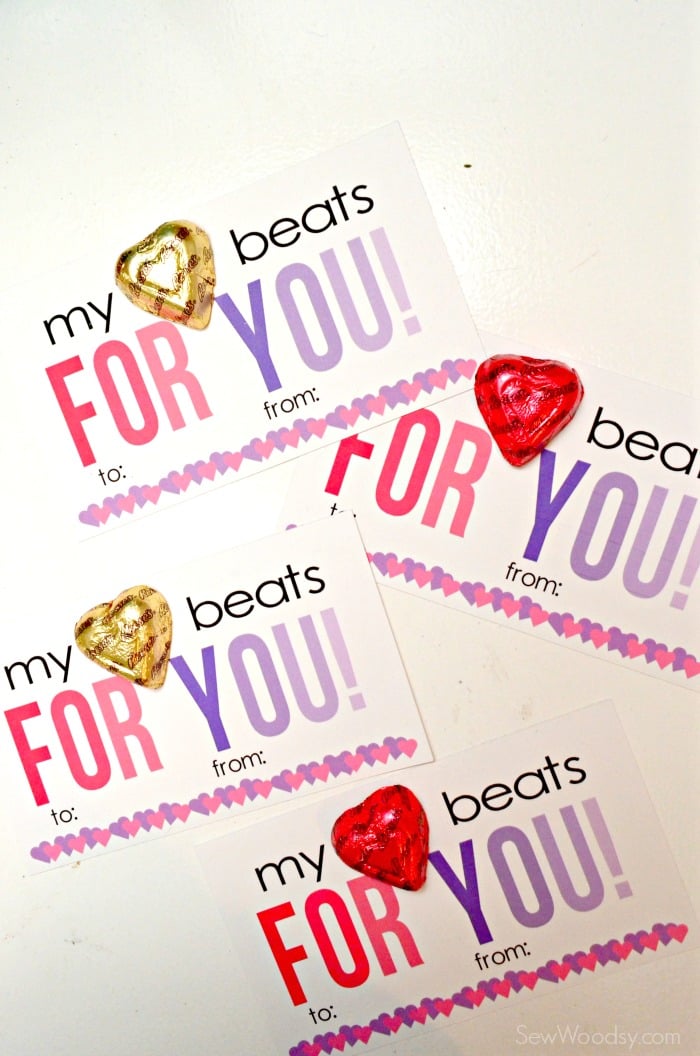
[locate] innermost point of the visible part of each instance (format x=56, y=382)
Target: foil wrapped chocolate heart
x=170, y=273
x=129, y=636
x=525, y=402
x=385, y=837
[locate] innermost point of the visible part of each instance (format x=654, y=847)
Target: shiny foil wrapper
x=170, y=273
x=385, y=837
x=525, y=402
x=129, y=636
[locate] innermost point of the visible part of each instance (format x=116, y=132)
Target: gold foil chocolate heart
x=130, y=635
x=170, y=273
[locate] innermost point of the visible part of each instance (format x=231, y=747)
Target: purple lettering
x=207, y=699
x=467, y=893
x=545, y=905
x=255, y=645
x=579, y=551
x=334, y=346
x=254, y=338
x=650, y=588
x=315, y=712
x=384, y=329
x=596, y=892
x=548, y=506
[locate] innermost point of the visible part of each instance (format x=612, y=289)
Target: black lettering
x=539, y=776
x=330, y=219
x=637, y=439
x=314, y=579
x=278, y=867
x=236, y=598
x=282, y=227
x=450, y=804
x=488, y=796
x=691, y=453
x=26, y=667
x=597, y=423
x=238, y=243
x=194, y=611
x=66, y=319
x=574, y=770
x=362, y=198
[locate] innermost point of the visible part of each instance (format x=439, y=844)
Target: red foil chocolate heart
x=525, y=402
x=386, y=837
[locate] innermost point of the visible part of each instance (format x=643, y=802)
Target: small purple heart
x=336, y=764
x=393, y=745
x=497, y=599
x=587, y=627
x=661, y=931
x=618, y=641
x=605, y=953
x=116, y=829
x=302, y=428
x=380, y=562
x=275, y=438
x=429, y=1005
x=572, y=960
x=421, y=378
x=450, y=368
x=393, y=395
x=438, y=576
x=138, y=496
x=651, y=647
x=545, y=972
x=88, y=837
x=112, y=504
x=467, y=592
x=198, y=806
x=367, y=752
x=249, y=451
x=460, y=998
x=166, y=810
x=333, y=419
x=325, y=1041
x=680, y=658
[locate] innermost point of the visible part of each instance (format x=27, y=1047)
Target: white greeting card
x=594, y=544
x=335, y=303
x=538, y=877
x=284, y=678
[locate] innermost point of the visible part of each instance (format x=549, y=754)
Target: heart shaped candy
x=525, y=402
x=129, y=636
x=386, y=837
x=170, y=273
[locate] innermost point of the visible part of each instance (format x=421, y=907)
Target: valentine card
x=546, y=866
x=327, y=299
x=594, y=544
x=283, y=679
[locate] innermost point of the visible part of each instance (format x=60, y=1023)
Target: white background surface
x=575, y=230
